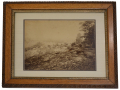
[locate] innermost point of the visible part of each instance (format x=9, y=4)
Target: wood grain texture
x=7, y=44
x=112, y=81
x=115, y=45
x=111, y=44
x=64, y=81
x=60, y=6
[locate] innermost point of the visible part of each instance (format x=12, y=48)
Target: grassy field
x=59, y=57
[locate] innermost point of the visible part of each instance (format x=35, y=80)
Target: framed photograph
x=60, y=45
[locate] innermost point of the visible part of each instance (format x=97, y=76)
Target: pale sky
x=52, y=30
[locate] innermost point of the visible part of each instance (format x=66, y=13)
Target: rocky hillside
x=59, y=57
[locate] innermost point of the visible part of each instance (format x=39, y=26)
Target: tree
x=89, y=33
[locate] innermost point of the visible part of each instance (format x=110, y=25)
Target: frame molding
x=60, y=11
x=111, y=82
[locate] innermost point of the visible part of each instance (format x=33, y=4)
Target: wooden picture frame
x=8, y=46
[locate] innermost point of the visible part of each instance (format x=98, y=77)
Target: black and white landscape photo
x=60, y=45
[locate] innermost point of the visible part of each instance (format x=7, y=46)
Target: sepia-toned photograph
x=60, y=45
